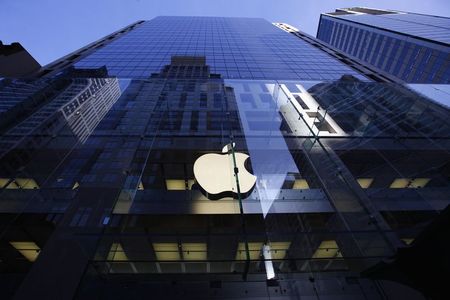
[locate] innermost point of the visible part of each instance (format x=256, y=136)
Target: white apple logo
x=215, y=174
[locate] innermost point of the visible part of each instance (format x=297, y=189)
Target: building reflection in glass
x=104, y=168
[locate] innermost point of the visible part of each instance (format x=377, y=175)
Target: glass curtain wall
x=313, y=176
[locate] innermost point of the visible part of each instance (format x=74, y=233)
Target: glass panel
x=201, y=175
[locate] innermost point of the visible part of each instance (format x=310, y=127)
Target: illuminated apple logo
x=215, y=174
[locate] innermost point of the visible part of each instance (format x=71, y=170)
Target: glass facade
x=103, y=196
x=412, y=47
x=234, y=47
x=428, y=27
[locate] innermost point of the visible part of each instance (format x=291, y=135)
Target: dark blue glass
x=235, y=47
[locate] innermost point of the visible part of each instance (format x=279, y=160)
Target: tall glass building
x=415, y=48
x=216, y=158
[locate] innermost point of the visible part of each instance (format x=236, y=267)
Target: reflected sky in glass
x=439, y=93
x=263, y=141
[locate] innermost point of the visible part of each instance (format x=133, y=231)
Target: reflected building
x=90, y=100
x=99, y=198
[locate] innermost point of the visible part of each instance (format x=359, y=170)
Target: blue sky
x=50, y=29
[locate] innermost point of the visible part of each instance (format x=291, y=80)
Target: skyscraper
x=203, y=157
x=412, y=47
x=247, y=48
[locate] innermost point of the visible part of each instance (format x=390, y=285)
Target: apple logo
x=214, y=174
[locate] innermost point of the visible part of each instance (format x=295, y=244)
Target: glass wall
x=413, y=48
x=250, y=48
x=188, y=173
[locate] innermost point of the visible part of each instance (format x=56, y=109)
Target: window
x=175, y=184
x=28, y=249
x=327, y=249
x=365, y=182
x=402, y=183
x=300, y=184
x=254, y=249
x=116, y=253
x=279, y=249
x=194, y=251
x=166, y=251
